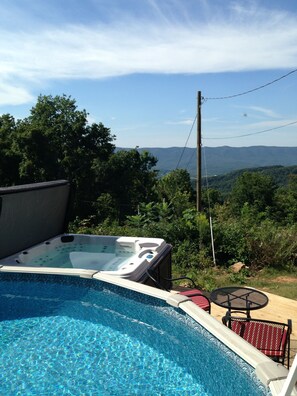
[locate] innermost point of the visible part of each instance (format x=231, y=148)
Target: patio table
x=239, y=299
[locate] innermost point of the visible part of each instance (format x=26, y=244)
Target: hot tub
x=33, y=238
x=127, y=257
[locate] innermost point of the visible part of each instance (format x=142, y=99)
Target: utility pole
x=198, y=181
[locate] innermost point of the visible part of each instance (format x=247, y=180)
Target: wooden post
x=198, y=182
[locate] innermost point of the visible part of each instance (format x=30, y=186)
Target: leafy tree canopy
x=176, y=188
x=9, y=156
x=56, y=141
x=255, y=189
x=128, y=177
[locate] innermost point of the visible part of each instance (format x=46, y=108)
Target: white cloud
x=12, y=94
x=181, y=122
x=259, y=126
x=266, y=112
x=245, y=39
x=258, y=112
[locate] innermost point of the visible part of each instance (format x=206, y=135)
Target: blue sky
x=137, y=65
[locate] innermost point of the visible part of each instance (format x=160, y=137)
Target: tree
x=9, y=156
x=211, y=197
x=175, y=187
x=128, y=177
x=255, y=190
x=286, y=202
x=57, y=142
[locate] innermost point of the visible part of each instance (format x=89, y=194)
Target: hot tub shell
x=127, y=257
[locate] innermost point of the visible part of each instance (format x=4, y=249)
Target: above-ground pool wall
x=32, y=213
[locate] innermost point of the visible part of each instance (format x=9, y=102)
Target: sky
x=137, y=66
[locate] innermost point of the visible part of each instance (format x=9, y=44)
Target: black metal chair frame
x=153, y=277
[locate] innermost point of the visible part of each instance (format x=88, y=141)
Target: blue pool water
x=69, y=336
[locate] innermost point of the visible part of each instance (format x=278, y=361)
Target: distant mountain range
x=222, y=160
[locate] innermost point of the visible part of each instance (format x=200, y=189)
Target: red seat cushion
x=268, y=338
x=197, y=297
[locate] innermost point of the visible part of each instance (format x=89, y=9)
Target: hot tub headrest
x=32, y=213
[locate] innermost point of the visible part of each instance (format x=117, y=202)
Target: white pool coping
x=271, y=374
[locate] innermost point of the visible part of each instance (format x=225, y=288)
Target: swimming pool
x=66, y=335
x=127, y=257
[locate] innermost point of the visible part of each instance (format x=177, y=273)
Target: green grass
x=280, y=282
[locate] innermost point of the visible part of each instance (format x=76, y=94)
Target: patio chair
x=271, y=338
x=194, y=293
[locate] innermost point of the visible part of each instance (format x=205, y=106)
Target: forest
x=116, y=192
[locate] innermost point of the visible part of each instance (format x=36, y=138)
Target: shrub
x=271, y=245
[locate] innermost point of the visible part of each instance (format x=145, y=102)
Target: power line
x=254, y=89
x=182, y=153
x=204, y=99
x=254, y=133
x=184, y=148
x=190, y=160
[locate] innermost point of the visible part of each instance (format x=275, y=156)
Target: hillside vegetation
x=225, y=183
x=119, y=192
